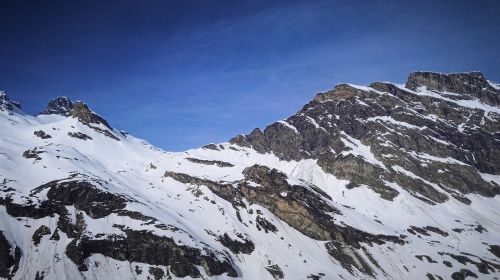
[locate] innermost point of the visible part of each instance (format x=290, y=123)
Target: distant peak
x=59, y=106
x=7, y=103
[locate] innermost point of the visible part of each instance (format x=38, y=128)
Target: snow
x=410, y=174
x=368, y=89
x=427, y=157
x=391, y=120
x=293, y=128
x=311, y=120
x=359, y=149
x=362, y=103
x=490, y=177
x=471, y=104
x=494, y=85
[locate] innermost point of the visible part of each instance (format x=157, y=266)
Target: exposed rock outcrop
x=6, y=103
x=42, y=134
x=181, y=260
x=59, y=106
x=305, y=208
x=218, y=163
x=39, y=233
x=473, y=83
x=82, y=112
x=9, y=258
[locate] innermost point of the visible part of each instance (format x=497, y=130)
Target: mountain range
x=386, y=181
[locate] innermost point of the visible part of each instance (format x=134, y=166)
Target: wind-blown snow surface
x=133, y=168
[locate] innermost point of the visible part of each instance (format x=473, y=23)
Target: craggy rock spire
x=59, y=106
x=6, y=103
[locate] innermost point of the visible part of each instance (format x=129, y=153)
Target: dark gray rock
x=84, y=196
x=6, y=103
x=39, y=233
x=9, y=258
x=462, y=274
x=35, y=153
x=59, y=106
x=211, y=146
x=495, y=249
x=236, y=246
x=135, y=247
x=156, y=272
x=473, y=83
x=40, y=275
x=210, y=162
x=275, y=271
x=42, y=134
x=263, y=223
x=79, y=135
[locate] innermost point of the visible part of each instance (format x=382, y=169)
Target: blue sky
x=181, y=74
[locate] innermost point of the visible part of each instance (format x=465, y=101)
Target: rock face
x=135, y=247
x=380, y=135
x=82, y=112
x=6, y=103
x=472, y=83
x=59, y=106
x=365, y=182
x=9, y=258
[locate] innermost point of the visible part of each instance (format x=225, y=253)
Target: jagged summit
x=7, y=103
x=59, y=106
x=382, y=116
x=464, y=86
x=64, y=106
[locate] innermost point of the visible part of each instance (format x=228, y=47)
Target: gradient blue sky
x=181, y=74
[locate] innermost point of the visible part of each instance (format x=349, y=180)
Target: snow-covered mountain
x=384, y=181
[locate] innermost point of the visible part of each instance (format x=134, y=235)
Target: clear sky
x=181, y=74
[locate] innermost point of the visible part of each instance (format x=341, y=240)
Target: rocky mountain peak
x=59, y=106
x=471, y=83
x=7, y=103
x=341, y=91
x=85, y=115
x=360, y=133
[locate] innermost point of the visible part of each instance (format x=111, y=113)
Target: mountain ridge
x=378, y=181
